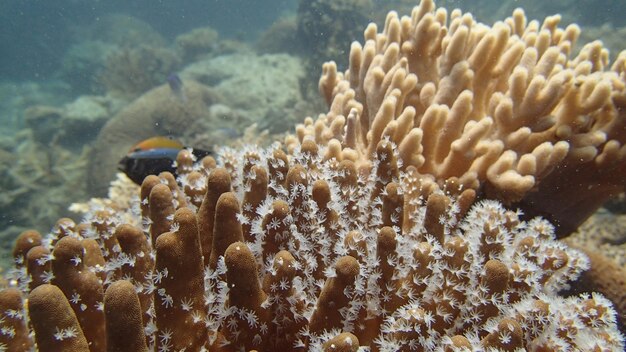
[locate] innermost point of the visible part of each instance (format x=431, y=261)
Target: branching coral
x=504, y=110
x=326, y=246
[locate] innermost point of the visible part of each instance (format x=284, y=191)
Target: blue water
x=34, y=35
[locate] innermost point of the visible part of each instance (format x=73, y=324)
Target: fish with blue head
x=176, y=85
x=153, y=156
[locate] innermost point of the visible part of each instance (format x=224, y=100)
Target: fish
x=157, y=142
x=176, y=86
x=153, y=156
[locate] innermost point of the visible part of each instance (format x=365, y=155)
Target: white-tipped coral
x=385, y=267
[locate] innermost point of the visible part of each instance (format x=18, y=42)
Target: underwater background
x=406, y=156
x=68, y=67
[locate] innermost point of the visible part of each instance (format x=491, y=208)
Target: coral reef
x=324, y=28
x=197, y=43
x=604, y=232
x=37, y=182
x=82, y=62
x=369, y=227
x=585, y=12
x=15, y=97
x=42, y=168
x=43, y=121
x=100, y=44
x=277, y=251
x=131, y=71
x=604, y=276
x=603, y=238
x=280, y=37
x=262, y=89
x=530, y=126
x=611, y=36
x=74, y=124
x=251, y=89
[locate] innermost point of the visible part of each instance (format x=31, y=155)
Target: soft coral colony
x=372, y=227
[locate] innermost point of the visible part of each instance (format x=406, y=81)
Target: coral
x=81, y=286
x=42, y=168
x=289, y=251
x=43, y=121
x=159, y=112
x=341, y=240
x=606, y=233
x=531, y=126
x=14, y=336
x=280, y=37
x=54, y=322
x=131, y=71
x=323, y=29
x=584, y=11
x=262, y=89
x=603, y=238
x=72, y=125
x=15, y=97
x=611, y=36
x=606, y=277
x=124, y=331
x=41, y=175
x=120, y=196
x=81, y=63
x=35, y=187
x=82, y=117
x=179, y=256
x=197, y=43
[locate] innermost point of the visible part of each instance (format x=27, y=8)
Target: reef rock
x=264, y=88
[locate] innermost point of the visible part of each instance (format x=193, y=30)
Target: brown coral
x=14, y=335
x=314, y=271
x=531, y=126
x=608, y=278
x=54, y=322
